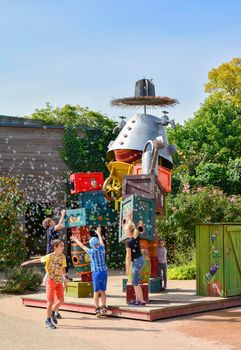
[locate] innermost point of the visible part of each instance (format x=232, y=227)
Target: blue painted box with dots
x=98, y=210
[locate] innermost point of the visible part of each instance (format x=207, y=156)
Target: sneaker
x=49, y=324
x=141, y=303
x=97, y=312
x=57, y=315
x=135, y=302
x=103, y=311
x=54, y=319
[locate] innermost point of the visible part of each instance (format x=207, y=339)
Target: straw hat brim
x=154, y=101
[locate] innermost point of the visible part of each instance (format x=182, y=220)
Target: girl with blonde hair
x=134, y=256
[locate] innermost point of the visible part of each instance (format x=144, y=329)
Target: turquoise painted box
x=90, y=200
x=142, y=211
x=124, y=284
x=155, y=285
x=75, y=218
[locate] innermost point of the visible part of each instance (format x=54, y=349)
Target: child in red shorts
x=55, y=264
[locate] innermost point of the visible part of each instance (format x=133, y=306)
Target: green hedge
x=185, y=272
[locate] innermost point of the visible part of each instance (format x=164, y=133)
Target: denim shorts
x=99, y=280
x=137, y=266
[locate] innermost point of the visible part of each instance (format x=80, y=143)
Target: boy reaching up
x=98, y=269
x=52, y=230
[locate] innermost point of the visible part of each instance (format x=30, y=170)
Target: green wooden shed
x=218, y=259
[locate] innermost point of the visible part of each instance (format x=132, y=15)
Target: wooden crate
x=130, y=293
x=79, y=289
x=147, y=186
x=143, y=210
x=155, y=285
x=164, y=176
x=85, y=182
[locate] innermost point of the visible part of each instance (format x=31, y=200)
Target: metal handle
x=147, y=144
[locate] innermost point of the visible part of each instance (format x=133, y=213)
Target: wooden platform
x=178, y=300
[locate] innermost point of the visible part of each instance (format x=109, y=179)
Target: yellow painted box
x=79, y=289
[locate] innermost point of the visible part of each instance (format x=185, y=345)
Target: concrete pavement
x=23, y=328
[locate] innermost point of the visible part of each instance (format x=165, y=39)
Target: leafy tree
x=12, y=207
x=80, y=154
x=190, y=207
x=207, y=142
x=225, y=81
x=70, y=115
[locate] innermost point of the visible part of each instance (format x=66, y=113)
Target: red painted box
x=130, y=293
x=154, y=266
x=86, y=182
x=164, y=176
x=86, y=276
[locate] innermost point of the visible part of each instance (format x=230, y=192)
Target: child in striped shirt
x=98, y=269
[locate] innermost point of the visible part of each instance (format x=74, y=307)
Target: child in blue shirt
x=98, y=269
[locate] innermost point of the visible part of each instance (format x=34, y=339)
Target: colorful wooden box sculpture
x=86, y=182
x=218, y=259
x=164, y=176
x=79, y=289
x=147, y=186
x=143, y=212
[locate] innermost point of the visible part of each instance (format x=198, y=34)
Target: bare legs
x=102, y=295
x=53, y=306
x=139, y=293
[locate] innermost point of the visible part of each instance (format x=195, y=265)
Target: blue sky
x=89, y=51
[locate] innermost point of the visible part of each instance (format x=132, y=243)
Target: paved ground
x=22, y=328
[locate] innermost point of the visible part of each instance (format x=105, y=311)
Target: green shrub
x=184, y=272
x=20, y=279
x=191, y=207
x=12, y=208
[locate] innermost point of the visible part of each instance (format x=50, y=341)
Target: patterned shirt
x=97, y=259
x=54, y=266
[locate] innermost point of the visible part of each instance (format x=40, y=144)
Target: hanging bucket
x=147, y=156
